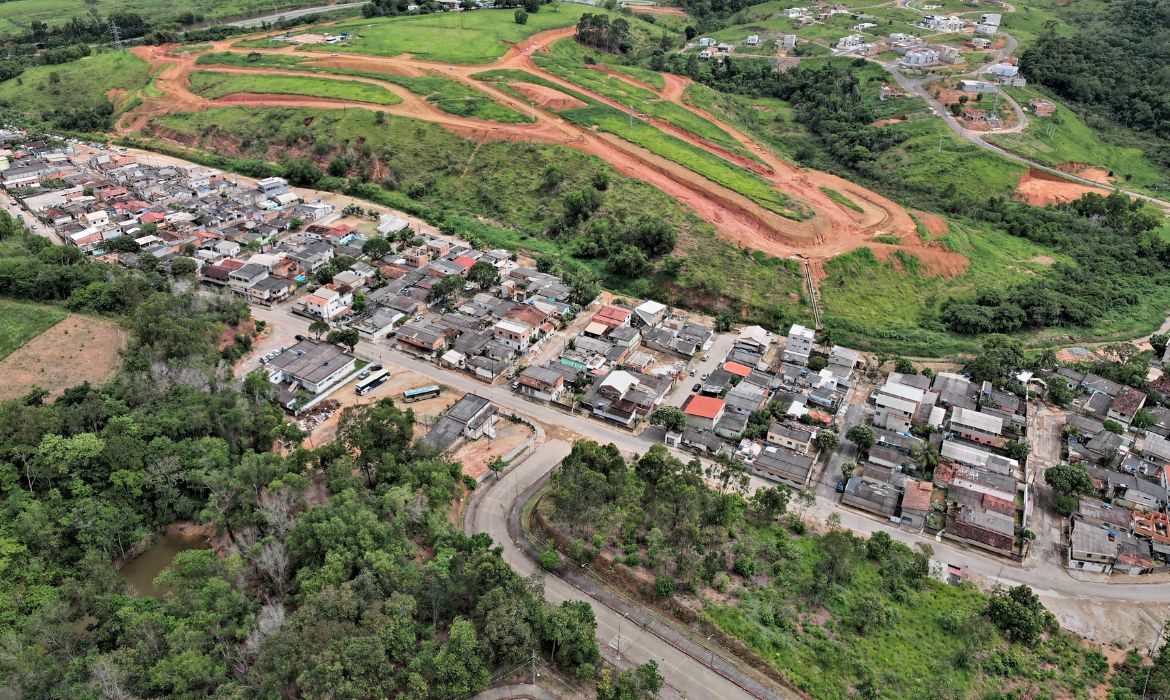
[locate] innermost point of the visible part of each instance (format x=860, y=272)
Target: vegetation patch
x=20, y=323
x=448, y=94
x=841, y=199
x=456, y=37
x=83, y=95
x=215, y=85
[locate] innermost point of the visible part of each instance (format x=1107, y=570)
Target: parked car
x=299, y=338
x=692, y=372
x=706, y=375
x=696, y=387
x=840, y=487
x=364, y=373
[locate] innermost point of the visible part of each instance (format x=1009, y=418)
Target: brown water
x=141, y=571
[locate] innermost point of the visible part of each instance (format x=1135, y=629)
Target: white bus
x=372, y=381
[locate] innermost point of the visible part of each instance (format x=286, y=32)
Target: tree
x=347, y=337
x=1059, y=393
x=496, y=466
x=376, y=247
x=771, y=502
x=182, y=266
x=1142, y=419
x=862, y=436
x=549, y=559
x=1158, y=342
x=359, y=302
x=318, y=327
x=445, y=288
x=629, y=262
x=520, y=16
x=1017, y=450
x=690, y=32
x=1114, y=427
x=904, y=366
x=1069, y=479
x=724, y=320
x=664, y=586
x=1018, y=613
x=1000, y=358
x=670, y=417
x=826, y=440
x=816, y=363
x=484, y=274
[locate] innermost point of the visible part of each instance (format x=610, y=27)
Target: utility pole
x=631, y=117
x=117, y=37
x=533, y=667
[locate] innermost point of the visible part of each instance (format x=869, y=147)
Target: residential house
x=516, y=335
x=613, y=398
x=916, y=502
x=329, y=302
x=784, y=465
x=977, y=427
x=244, y=277
x=613, y=316
x=703, y=411
x=271, y=290
x=753, y=40
x=649, y=313
x=541, y=383
x=424, y=338
x=1091, y=548
x=870, y=495
x=800, y=343
x=792, y=436
x=1127, y=403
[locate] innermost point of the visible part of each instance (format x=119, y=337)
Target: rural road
x=290, y=14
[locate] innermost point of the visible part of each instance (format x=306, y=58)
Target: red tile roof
x=703, y=406
x=464, y=262
x=917, y=495
x=612, y=315
x=737, y=369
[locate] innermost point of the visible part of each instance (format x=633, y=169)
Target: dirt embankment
x=1087, y=171
x=1042, y=189
x=833, y=229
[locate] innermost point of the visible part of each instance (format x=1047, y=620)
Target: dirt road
x=833, y=228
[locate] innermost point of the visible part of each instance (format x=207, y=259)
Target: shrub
x=549, y=559
x=721, y=581
x=664, y=586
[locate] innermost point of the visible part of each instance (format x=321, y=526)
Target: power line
x=117, y=37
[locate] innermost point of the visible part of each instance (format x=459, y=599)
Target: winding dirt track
x=833, y=229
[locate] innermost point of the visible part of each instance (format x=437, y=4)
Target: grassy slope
x=457, y=37
x=83, y=83
x=919, y=654
x=1064, y=137
x=214, y=85
x=448, y=94
x=889, y=305
x=503, y=183
x=692, y=157
x=21, y=322
x=17, y=15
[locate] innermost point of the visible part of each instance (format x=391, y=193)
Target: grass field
x=933, y=645
x=448, y=94
x=17, y=15
x=455, y=37
x=841, y=199
x=87, y=83
x=21, y=322
x=891, y=306
x=1064, y=137
x=215, y=85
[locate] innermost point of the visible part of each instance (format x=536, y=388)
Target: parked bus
x=372, y=381
x=422, y=393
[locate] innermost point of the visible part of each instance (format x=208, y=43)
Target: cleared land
x=455, y=37
x=215, y=85
x=74, y=350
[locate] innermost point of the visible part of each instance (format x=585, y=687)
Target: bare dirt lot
x=1041, y=189
x=547, y=97
x=474, y=456
x=425, y=412
x=78, y=349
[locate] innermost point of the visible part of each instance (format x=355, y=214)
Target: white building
x=800, y=343
x=851, y=42
x=919, y=57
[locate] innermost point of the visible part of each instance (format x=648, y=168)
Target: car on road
x=706, y=375
x=696, y=387
x=364, y=373
x=299, y=337
x=692, y=372
x=841, y=486
x=706, y=358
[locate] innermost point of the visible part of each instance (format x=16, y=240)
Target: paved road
x=290, y=14
x=31, y=222
x=1046, y=577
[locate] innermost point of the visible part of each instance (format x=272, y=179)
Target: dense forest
x=837, y=614
x=1114, y=67
x=338, y=573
